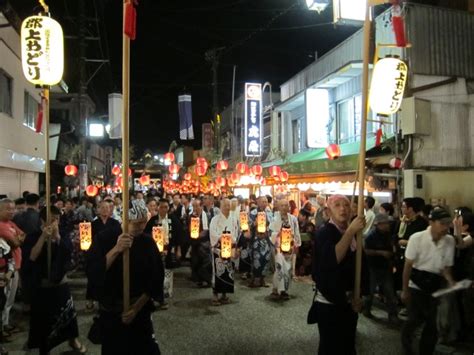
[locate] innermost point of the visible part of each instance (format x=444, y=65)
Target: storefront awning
x=316, y=161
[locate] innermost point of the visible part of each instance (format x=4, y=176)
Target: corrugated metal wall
x=348, y=51
x=443, y=41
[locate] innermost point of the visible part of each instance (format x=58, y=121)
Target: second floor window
x=6, y=93
x=30, y=111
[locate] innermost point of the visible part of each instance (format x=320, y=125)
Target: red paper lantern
x=200, y=170
x=70, y=170
x=235, y=178
x=333, y=151
x=211, y=186
x=174, y=168
x=222, y=165
x=257, y=170
x=119, y=181
x=283, y=176
x=201, y=161
x=220, y=181
x=242, y=169
x=144, y=180
x=169, y=157
x=395, y=163
x=274, y=170
x=187, y=177
x=116, y=170
x=92, y=190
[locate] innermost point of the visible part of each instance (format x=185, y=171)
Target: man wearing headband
x=128, y=332
x=334, y=272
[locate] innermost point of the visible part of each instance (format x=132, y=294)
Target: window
x=6, y=91
x=267, y=134
x=296, y=135
x=30, y=111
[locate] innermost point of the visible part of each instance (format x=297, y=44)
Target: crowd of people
x=265, y=241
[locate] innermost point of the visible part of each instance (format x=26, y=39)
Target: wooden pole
x=47, y=171
x=363, y=136
x=125, y=156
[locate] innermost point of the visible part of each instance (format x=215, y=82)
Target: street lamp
x=317, y=5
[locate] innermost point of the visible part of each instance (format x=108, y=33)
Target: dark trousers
x=135, y=338
x=421, y=309
x=337, y=329
x=382, y=278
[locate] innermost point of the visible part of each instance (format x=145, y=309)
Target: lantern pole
x=47, y=170
x=363, y=137
x=125, y=156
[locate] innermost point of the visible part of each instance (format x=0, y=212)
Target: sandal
x=225, y=300
x=216, y=303
x=77, y=346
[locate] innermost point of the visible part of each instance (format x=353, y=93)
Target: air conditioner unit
x=415, y=116
x=414, y=184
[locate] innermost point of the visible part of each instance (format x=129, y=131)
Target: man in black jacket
x=333, y=272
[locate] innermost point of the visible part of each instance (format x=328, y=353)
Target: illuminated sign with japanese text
x=253, y=120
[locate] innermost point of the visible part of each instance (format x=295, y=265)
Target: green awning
x=316, y=160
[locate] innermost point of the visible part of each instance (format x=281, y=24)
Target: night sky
x=268, y=40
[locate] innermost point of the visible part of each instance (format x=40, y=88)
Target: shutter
x=10, y=182
x=29, y=181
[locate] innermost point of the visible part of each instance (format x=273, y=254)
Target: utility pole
x=83, y=173
x=213, y=56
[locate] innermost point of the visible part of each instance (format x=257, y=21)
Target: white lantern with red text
x=194, y=227
x=85, y=235
x=226, y=245
x=286, y=239
x=244, y=221
x=261, y=222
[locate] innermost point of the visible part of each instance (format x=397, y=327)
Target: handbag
x=312, y=317
x=427, y=281
x=95, y=334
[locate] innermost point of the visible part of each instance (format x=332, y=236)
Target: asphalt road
x=251, y=324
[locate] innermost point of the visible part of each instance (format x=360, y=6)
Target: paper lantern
x=286, y=238
x=220, y=181
x=274, y=170
x=222, y=165
x=200, y=170
x=235, y=178
x=92, y=190
x=333, y=151
x=395, y=163
x=116, y=170
x=187, y=177
x=202, y=162
x=42, y=50
x=257, y=170
x=242, y=168
x=174, y=168
x=158, y=235
x=261, y=222
x=283, y=176
x=144, y=180
x=70, y=170
x=195, y=222
x=85, y=235
x=169, y=157
x=244, y=221
x=226, y=245
x=387, y=86
x=119, y=181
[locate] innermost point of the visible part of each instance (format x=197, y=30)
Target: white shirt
x=275, y=227
x=428, y=255
x=220, y=223
x=369, y=221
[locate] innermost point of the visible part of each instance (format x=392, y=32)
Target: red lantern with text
x=85, y=235
x=144, y=180
x=226, y=245
x=174, y=168
x=333, y=151
x=286, y=239
x=274, y=170
x=396, y=163
x=261, y=222
x=257, y=170
x=70, y=170
x=200, y=170
x=116, y=170
x=169, y=157
x=91, y=190
x=187, y=177
x=194, y=227
x=220, y=181
x=284, y=176
x=222, y=165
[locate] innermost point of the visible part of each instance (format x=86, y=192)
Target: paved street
x=251, y=324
